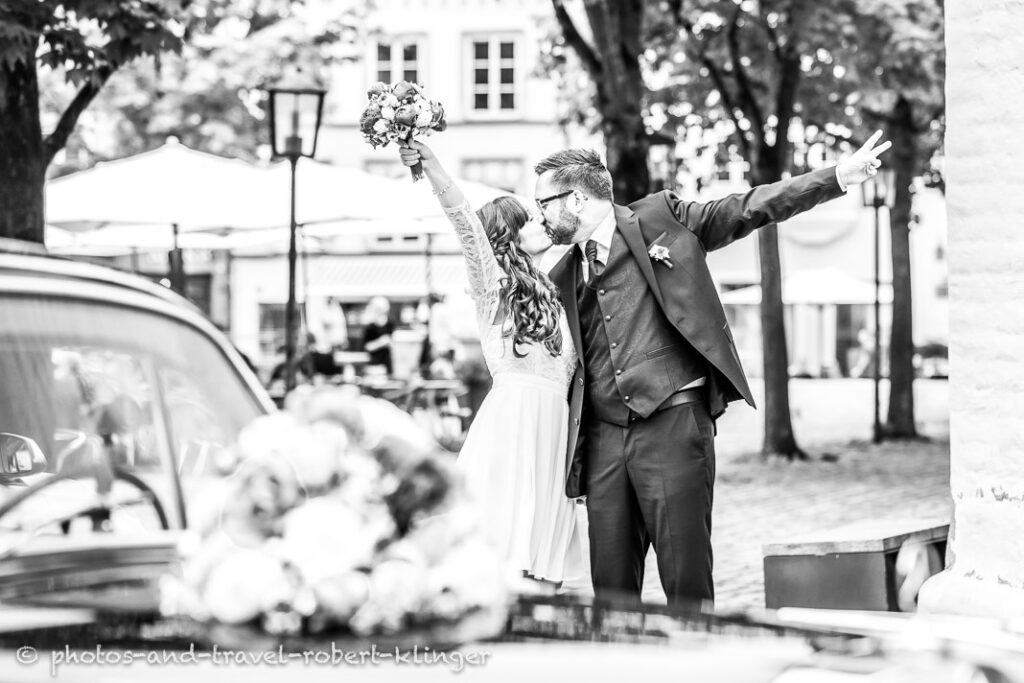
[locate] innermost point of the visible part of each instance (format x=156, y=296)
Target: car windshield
x=151, y=393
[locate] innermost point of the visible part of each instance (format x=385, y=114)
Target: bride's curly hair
x=528, y=298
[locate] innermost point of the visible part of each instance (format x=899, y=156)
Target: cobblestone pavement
x=761, y=501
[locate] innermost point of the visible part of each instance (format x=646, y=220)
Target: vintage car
x=116, y=397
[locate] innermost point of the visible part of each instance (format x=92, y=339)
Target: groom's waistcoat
x=634, y=358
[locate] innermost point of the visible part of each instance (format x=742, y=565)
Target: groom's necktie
x=595, y=266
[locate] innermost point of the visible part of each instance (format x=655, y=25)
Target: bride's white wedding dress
x=514, y=458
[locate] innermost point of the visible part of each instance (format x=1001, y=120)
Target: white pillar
x=985, y=146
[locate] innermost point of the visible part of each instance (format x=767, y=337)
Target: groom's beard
x=564, y=228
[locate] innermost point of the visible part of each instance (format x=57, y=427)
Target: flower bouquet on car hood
x=398, y=113
x=336, y=514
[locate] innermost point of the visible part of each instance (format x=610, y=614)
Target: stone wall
x=985, y=193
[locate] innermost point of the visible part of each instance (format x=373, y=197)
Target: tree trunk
x=778, y=425
x=779, y=438
x=627, y=146
x=620, y=94
x=900, y=418
x=22, y=165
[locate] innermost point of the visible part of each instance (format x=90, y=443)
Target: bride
x=513, y=459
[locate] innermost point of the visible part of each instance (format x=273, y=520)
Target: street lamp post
x=878, y=192
x=661, y=162
x=296, y=104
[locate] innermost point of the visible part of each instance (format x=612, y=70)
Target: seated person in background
x=443, y=365
x=378, y=331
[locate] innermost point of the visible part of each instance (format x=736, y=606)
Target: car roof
x=26, y=268
x=30, y=258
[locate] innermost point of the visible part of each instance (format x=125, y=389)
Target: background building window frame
x=399, y=58
x=502, y=91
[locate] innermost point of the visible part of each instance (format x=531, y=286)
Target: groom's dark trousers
x=649, y=453
x=648, y=482
x=648, y=326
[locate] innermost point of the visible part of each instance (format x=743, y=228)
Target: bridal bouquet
x=335, y=514
x=398, y=113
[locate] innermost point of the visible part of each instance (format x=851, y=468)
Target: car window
x=152, y=392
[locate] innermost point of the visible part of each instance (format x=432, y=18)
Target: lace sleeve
x=483, y=269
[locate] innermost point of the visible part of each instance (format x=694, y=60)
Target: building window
x=504, y=174
x=398, y=59
x=494, y=74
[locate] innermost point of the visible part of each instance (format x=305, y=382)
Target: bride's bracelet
x=438, y=193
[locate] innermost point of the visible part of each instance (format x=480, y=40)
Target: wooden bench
x=858, y=566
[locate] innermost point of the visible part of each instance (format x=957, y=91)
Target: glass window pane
x=409, y=52
x=480, y=50
x=83, y=377
x=480, y=101
x=480, y=76
x=383, y=52
x=507, y=76
x=411, y=75
x=508, y=101
x=507, y=50
x=384, y=75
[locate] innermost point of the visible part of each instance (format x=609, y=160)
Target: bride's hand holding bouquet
x=415, y=155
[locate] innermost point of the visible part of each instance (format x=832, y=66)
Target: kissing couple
x=610, y=370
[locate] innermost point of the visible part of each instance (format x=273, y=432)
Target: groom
x=657, y=360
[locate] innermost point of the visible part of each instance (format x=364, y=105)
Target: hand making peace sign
x=863, y=163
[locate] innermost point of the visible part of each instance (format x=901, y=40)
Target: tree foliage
x=211, y=94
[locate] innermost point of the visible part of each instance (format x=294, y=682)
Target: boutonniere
x=659, y=253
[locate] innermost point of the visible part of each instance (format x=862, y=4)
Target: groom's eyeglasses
x=542, y=203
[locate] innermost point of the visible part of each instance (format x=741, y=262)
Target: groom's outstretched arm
x=720, y=222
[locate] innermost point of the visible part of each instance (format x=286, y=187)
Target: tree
x=902, y=74
x=612, y=61
x=90, y=40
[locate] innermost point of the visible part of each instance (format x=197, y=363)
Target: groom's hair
x=580, y=169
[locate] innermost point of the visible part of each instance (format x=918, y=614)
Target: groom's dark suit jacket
x=685, y=293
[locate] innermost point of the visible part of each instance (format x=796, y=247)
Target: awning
x=358, y=276
x=816, y=287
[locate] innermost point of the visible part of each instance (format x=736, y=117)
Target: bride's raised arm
x=484, y=272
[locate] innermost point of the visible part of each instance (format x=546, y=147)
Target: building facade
x=480, y=59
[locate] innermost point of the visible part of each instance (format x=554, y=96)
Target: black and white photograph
x=411, y=339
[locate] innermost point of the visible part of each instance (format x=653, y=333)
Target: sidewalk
x=760, y=501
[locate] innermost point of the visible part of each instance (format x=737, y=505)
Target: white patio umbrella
x=168, y=186
x=326, y=193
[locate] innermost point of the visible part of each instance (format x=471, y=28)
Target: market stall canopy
x=815, y=287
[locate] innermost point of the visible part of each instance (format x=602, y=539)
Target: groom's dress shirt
x=602, y=235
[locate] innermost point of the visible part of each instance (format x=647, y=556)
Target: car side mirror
x=19, y=456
